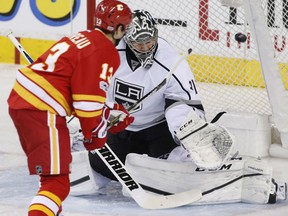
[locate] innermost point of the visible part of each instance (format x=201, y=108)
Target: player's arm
x=90, y=85
x=182, y=96
x=208, y=144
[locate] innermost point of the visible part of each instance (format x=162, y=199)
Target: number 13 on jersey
x=106, y=73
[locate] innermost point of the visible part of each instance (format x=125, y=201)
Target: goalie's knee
x=84, y=180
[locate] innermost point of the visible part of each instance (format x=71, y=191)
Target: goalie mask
x=141, y=37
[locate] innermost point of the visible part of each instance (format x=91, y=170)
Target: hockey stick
x=20, y=48
x=143, y=198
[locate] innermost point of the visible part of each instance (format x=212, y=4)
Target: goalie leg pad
x=208, y=144
x=83, y=179
x=177, y=176
x=250, y=179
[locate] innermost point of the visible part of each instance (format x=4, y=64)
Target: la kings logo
x=127, y=94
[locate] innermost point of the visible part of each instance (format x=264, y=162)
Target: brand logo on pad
x=256, y=169
x=185, y=125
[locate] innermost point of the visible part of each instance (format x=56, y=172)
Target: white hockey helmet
x=142, y=36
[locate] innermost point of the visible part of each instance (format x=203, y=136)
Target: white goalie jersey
x=173, y=101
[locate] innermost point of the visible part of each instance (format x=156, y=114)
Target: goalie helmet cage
x=230, y=68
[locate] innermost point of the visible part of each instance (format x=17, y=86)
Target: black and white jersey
x=131, y=82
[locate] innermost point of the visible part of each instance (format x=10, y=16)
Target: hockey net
x=228, y=72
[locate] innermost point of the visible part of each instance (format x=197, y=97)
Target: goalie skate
x=278, y=191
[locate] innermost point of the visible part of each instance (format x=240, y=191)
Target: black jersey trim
x=189, y=96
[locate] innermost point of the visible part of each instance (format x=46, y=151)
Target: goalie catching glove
x=208, y=144
x=99, y=133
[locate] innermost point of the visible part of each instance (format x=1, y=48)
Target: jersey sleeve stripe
x=85, y=114
x=88, y=106
x=41, y=88
x=84, y=97
x=33, y=100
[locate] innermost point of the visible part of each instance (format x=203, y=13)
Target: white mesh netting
x=228, y=72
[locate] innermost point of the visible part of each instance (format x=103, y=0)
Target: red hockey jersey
x=70, y=78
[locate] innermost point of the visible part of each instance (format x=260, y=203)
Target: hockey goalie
x=235, y=179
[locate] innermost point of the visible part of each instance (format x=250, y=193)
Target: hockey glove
x=99, y=134
x=123, y=119
x=208, y=144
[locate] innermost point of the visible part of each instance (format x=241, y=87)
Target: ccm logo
x=185, y=125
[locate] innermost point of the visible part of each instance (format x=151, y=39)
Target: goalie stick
x=154, y=90
x=143, y=198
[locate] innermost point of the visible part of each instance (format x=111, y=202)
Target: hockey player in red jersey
x=69, y=78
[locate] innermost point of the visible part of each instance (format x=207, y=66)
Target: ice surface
x=17, y=188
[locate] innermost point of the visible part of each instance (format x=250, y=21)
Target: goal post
x=275, y=87
x=239, y=54
x=91, y=5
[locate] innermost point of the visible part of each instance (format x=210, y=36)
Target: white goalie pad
x=208, y=144
x=84, y=180
x=238, y=180
x=257, y=189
